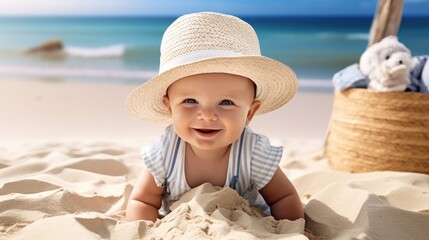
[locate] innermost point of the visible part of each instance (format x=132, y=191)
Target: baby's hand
x=310, y=236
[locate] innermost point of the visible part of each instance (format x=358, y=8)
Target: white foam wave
x=315, y=83
x=105, y=74
x=350, y=36
x=75, y=72
x=109, y=51
x=358, y=36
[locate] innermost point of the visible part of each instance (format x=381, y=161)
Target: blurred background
x=118, y=41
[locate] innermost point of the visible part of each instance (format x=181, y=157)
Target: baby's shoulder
x=258, y=138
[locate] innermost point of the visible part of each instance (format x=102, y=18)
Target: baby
x=212, y=81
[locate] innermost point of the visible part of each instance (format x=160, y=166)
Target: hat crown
x=193, y=34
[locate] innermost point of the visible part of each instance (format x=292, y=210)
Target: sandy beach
x=52, y=110
x=69, y=156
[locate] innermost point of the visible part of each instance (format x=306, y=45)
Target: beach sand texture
x=69, y=156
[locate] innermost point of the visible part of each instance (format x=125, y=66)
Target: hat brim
x=276, y=84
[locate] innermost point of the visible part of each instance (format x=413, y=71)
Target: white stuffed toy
x=387, y=64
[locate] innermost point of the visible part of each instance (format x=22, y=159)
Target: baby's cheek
x=184, y=117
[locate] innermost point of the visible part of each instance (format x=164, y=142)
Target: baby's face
x=210, y=111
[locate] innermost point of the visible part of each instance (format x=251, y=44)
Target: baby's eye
x=226, y=102
x=190, y=100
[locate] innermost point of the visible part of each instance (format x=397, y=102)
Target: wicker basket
x=372, y=131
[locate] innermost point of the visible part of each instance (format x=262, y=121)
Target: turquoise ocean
x=126, y=49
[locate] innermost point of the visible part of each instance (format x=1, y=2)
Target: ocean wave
x=358, y=36
x=306, y=83
x=109, y=51
x=348, y=36
x=315, y=83
x=76, y=72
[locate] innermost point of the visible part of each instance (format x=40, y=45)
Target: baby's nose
x=207, y=114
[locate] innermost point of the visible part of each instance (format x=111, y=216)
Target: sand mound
x=69, y=190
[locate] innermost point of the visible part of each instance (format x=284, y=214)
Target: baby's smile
x=206, y=132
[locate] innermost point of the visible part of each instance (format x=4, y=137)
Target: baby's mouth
x=207, y=132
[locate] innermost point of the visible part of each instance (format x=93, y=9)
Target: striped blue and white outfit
x=252, y=163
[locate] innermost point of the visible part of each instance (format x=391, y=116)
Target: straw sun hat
x=212, y=43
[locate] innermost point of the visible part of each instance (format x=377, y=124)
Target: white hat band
x=195, y=57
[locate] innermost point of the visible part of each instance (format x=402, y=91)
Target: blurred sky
x=178, y=7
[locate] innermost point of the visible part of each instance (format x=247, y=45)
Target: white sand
x=69, y=156
x=52, y=111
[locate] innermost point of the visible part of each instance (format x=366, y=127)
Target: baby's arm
x=145, y=199
x=282, y=197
